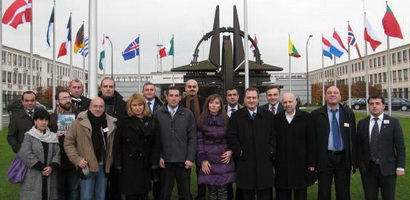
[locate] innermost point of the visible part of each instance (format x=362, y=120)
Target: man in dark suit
x=382, y=152
x=336, y=146
x=79, y=101
x=149, y=91
x=251, y=138
x=273, y=95
x=21, y=121
x=232, y=101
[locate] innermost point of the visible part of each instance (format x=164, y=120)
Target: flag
x=84, y=51
x=370, y=35
x=79, y=39
x=18, y=13
x=326, y=48
x=132, y=50
x=101, y=64
x=337, y=48
x=292, y=50
x=352, y=40
x=167, y=50
x=253, y=47
x=390, y=24
x=66, y=44
x=50, y=28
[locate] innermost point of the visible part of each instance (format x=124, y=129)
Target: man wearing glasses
x=22, y=121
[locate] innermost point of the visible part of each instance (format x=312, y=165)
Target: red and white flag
x=18, y=13
x=371, y=36
x=66, y=44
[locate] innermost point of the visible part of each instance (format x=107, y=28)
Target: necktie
x=30, y=114
x=272, y=109
x=149, y=106
x=172, y=113
x=253, y=115
x=374, y=142
x=233, y=110
x=337, y=142
x=192, y=106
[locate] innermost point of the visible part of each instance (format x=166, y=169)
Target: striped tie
x=374, y=142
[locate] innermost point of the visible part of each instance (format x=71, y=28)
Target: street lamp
x=112, y=58
x=307, y=70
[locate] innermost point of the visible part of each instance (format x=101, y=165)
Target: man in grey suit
x=273, y=95
x=382, y=154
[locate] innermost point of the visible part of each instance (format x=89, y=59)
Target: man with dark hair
x=336, y=141
x=79, y=102
x=22, y=121
x=154, y=103
x=251, y=138
x=115, y=106
x=273, y=95
x=232, y=101
x=382, y=151
x=175, y=145
x=68, y=179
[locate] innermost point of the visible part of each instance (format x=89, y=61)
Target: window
x=399, y=72
x=379, y=63
x=384, y=77
x=384, y=60
x=394, y=76
x=393, y=58
x=405, y=74
x=405, y=55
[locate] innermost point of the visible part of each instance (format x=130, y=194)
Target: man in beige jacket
x=88, y=144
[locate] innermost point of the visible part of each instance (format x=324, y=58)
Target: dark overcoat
x=132, y=152
x=252, y=142
x=295, y=150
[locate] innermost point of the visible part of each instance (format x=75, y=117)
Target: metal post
x=307, y=70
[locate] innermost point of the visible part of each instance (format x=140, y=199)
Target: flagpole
x=334, y=71
x=139, y=66
x=31, y=85
x=173, y=60
x=389, y=74
x=92, y=47
x=245, y=27
x=366, y=64
x=84, y=69
x=104, y=61
x=54, y=58
x=349, y=79
x=323, y=77
x=290, y=76
x=1, y=62
x=71, y=49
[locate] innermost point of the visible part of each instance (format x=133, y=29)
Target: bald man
x=295, y=150
x=336, y=145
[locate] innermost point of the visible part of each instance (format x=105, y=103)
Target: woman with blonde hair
x=213, y=155
x=132, y=149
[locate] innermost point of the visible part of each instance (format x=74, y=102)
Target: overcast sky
x=156, y=21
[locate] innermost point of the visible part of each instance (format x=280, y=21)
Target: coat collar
x=85, y=122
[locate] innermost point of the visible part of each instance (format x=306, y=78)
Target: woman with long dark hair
x=213, y=155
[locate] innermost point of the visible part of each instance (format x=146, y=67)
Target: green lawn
x=11, y=191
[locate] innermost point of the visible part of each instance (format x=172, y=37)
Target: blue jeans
x=95, y=185
x=68, y=184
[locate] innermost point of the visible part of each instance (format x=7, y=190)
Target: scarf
x=195, y=107
x=214, y=120
x=47, y=137
x=98, y=136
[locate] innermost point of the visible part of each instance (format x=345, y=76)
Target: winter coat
x=211, y=145
x=19, y=124
x=31, y=152
x=132, y=151
x=295, y=150
x=78, y=143
x=252, y=142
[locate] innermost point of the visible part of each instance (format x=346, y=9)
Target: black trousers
x=286, y=194
x=374, y=180
x=113, y=185
x=337, y=170
x=265, y=194
x=136, y=196
x=201, y=188
x=182, y=176
x=156, y=184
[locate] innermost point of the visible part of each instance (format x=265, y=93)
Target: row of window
x=19, y=60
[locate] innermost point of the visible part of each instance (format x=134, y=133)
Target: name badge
x=347, y=125
x=105, y=130
x=386, y=121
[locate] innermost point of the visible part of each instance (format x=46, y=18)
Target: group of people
x=116, y=147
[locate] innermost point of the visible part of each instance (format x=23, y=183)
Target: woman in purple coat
x=213, y=155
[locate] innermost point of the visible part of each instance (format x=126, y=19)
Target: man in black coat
x=336, y=146
x=21, y=121
x=273, y=95
x=382, y=151
x=295, y=150
x=79, y=102
x=251, y=138
x=115, y=107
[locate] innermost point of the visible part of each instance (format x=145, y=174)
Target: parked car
x=16, y=105
x=398, y=104
x=357, y=103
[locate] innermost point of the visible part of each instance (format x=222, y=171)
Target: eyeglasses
x=65, y=99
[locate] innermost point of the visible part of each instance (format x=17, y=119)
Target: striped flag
x=18, y=13
x=67, y=40
x=326, y=48
x=370, y=35
x=337, y=48
x=292, y=50
x=50, y=28
x=84, y=51
x=101, y=64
